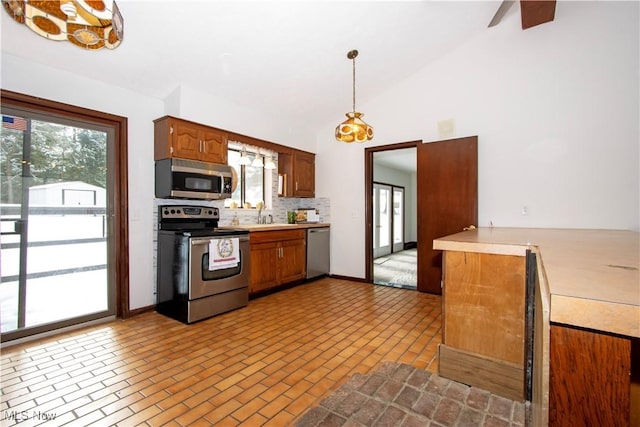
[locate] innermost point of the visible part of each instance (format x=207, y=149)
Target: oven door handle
x=206, y=241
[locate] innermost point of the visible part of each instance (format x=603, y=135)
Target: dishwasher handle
x=319, y=230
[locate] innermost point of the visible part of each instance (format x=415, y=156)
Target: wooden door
x=304, y=174
x=214, y=146
x=293, y=261
x=186, y=141
x=264, y=266
x=447, y=200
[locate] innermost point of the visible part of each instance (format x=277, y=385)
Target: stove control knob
x=210, y=212
x=166, y=211
x=173, y=211
x=177, y=210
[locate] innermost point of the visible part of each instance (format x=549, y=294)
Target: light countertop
x=593, y=276
x=274, y=227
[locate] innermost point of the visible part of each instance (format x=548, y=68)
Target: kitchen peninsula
x=586, y=322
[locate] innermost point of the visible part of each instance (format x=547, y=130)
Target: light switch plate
x=446, y=128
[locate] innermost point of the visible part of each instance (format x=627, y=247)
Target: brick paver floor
x=401, y=395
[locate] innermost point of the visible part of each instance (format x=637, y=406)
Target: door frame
x=430, y=260
x=368, y=200
x=119, y=206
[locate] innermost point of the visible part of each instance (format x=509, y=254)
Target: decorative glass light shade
x=354, y=129
x=257, y=162
x=268, y=162
x=244, y=158
x=87, y=24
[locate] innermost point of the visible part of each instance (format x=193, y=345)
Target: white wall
x=202, y=107
x=399, y=178
x=556, y=112
x=45, y=82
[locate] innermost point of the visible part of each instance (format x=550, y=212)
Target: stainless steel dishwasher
x=317, y=251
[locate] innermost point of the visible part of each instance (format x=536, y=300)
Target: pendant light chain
x=354, y=84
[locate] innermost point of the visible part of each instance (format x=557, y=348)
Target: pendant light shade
x=268, y=162
x=88, y=24
x=257, y=161
x=354, y=129
x=244, y=158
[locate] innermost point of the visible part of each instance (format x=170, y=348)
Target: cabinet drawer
x=276, y=235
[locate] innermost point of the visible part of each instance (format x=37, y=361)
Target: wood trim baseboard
x=502, y=378
x=352, y=279
x=141, y=310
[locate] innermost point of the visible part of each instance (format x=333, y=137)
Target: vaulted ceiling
x=287, y=58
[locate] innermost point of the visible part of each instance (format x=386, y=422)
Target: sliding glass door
x=55, y=226
x=382, y=218
x=398, y=219
x=388, y=219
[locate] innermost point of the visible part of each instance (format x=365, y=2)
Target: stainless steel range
x=202, y=271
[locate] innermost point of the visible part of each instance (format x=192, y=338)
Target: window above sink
x=254, y=175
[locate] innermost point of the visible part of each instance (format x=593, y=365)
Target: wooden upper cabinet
x=304, y=174
x=183, y=139
x=299, y=169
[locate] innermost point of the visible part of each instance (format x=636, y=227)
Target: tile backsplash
x=280, y=206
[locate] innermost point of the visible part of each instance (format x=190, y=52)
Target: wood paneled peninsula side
x=585, y=323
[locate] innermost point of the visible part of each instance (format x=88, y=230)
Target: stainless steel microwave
x=192, y=179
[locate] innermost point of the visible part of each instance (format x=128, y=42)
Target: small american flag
x=17, y=123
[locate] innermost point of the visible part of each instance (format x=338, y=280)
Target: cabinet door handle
x=204, y=146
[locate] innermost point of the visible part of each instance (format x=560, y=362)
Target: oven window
x=219, y=274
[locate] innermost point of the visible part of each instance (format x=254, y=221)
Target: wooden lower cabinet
x=277, y=258
x=484, y=314
x=589, y=382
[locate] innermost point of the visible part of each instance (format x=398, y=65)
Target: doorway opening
x=446, y=200
x=392, y=189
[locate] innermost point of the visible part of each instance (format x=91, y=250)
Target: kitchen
x=570, y=84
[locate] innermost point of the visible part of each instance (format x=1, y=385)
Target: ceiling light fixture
x=88, y=24
x=354, y=129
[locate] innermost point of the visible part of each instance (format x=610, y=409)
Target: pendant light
x=354, y=129
x=268, y=162
x=90, y=25
x=257, y=161
x=244, y=157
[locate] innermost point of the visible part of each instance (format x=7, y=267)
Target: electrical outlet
x=525, y=210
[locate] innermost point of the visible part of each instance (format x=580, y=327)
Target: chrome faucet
x=260, y=218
